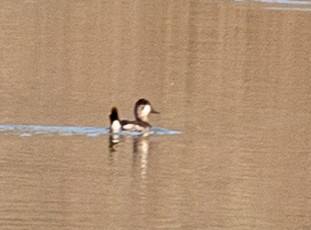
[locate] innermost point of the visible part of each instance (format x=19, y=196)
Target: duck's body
x=136, y=125
x=142, y=110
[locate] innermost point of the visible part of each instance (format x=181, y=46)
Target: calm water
x=233, y=76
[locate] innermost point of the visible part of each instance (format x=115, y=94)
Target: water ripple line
x=25, y=130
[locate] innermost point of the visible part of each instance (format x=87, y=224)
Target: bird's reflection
x=140, y=150
x=114, y=139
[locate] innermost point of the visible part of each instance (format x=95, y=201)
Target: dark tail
x=113, y=115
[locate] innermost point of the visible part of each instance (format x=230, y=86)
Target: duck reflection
x=141, y=148
x=114, y=139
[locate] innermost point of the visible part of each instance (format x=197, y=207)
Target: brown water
x=234, y=77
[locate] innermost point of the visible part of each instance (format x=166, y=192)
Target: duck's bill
x=154, y=111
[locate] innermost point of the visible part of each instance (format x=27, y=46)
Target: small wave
x=29, y=130
x=289, y=9
x=287, y=2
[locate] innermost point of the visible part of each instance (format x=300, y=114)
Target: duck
x=142, y=109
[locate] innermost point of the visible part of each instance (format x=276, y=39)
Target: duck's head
x=142, y=109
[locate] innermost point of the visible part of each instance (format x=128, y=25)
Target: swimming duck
x=142, y=109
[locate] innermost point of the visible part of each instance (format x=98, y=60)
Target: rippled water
x=29, y=130
x=232, y=76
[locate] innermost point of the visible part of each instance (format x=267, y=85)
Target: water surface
x=233, y=76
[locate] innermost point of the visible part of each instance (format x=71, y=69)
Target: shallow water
x=232, y=76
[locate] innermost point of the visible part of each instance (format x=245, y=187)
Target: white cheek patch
x=116, y=126
x=145, y=112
